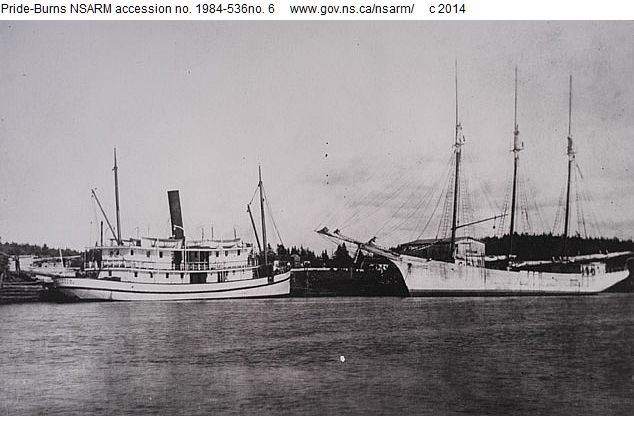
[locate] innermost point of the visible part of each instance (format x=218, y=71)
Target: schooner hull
x=94, y=289
x=430, y=278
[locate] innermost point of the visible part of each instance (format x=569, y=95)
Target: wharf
x=332, y=282
x=18, y=290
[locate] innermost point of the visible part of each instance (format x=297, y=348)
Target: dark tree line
x=546, y=246
x=340, y=258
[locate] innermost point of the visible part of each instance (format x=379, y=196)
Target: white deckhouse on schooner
x=455, y=265
x=176, y=268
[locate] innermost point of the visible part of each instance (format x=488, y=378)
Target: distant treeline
x=340, y=258
x=535, y=247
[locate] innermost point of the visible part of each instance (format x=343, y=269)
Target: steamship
x=176, y=268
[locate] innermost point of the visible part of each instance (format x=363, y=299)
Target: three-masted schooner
x=456, y=266
x=176, y=268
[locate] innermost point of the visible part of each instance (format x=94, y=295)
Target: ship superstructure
x=175, y=268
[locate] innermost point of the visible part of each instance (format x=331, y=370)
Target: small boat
x=176, y=268
x=44, y=269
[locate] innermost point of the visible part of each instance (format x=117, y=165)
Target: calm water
x=572, y=355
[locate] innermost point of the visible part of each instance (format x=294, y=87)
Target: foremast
x=457, y=148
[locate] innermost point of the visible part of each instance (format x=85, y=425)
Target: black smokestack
x=175, y=214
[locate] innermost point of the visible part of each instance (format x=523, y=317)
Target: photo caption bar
x=317, y=10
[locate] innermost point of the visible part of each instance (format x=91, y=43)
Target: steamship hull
x=109, y=290
x=425, y=277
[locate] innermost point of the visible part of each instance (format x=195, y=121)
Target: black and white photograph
x=316, y=218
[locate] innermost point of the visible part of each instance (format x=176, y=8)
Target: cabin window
x=238, y=252
x=160, y=254
x=117, y=252
x=109, y=273
x=167, y=275
x=131, y=252
x=136, y=274
x=182, y=275
x=147, y=254
x=226, y=253
x=217, y=253
x=151, y=275
x=111, y=253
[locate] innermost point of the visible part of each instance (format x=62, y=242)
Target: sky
x=352, y=123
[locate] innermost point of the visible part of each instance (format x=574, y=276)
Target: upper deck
x=173, y=255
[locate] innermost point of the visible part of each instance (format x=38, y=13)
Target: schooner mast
x=517, y=147
x=571, y=159
x=459, y=142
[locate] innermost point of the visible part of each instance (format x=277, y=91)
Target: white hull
x=95, y=289
x=430, y=277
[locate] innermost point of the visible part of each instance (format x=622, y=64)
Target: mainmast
x=116, y=196
x=517, y=147
x=571, y=159
x=459, y=142
x=264, y=244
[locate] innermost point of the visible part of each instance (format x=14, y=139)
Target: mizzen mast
x=459, y=142
x=517, y=147
x=571, y=159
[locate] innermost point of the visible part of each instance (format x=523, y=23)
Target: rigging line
x=558, y=215
x=467, y=204
x=268, y=208
x=446, y=194
x=441, y=182
x=430, y=218
x=394, y=216
x=593, y=222
x=350, y=200
x=402, y=223
x=535, y=206
x=353, y=219
x=524, y=199
x=588, y=200
x=333, y=213
x=504, y=211
x=404, y=181
x=253, y=196
x=422, y=204
x=394, y=219
x=94, y=213
x=578, y=207
x=425, y=205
